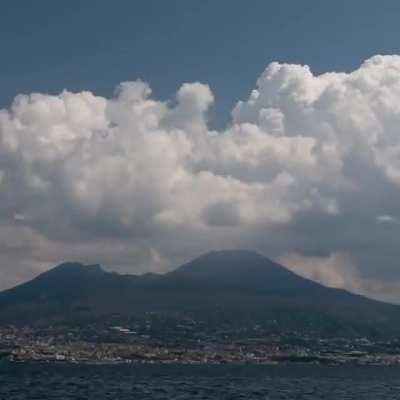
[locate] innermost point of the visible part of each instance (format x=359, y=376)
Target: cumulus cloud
x=305, y=165
x=338, y=270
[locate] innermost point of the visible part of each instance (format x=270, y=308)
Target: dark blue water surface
x=56, y=381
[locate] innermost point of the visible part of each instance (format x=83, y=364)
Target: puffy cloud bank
x=309, y=164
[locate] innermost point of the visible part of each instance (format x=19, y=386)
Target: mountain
x=224, y=287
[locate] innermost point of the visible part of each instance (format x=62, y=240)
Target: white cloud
x=79, y=168
x=338, y=270
x=386, y=219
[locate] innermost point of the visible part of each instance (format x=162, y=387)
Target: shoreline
x=180, y=363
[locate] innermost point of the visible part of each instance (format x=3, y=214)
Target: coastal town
x=119, y=344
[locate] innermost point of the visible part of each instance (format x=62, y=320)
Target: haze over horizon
x=273, y=138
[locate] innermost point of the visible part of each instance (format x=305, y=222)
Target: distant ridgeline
x=237, y=288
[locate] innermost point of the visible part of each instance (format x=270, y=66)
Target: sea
x=120, y=382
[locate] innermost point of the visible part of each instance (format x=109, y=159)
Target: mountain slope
x=237, y=287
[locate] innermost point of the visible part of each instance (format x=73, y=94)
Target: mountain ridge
x=238, y=285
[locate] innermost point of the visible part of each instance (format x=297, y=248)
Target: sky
x=141, y=134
